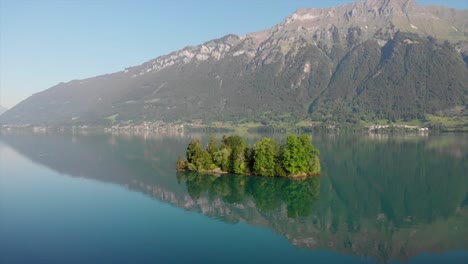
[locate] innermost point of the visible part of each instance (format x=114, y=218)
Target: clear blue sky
x=44, y=42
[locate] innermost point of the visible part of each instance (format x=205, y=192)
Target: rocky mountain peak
x=383, y=3
x=356, y=13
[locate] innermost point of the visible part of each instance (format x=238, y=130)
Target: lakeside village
x=198, y=125
x=159, y=126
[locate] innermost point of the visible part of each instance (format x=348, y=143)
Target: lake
x=116, y=198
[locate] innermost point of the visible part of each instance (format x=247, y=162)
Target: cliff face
x=375, y=59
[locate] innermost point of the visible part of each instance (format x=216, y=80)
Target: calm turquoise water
x=117, y=199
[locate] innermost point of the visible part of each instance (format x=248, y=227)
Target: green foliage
x=192, y=167
x=197, y=158
x=297, y=158
x=279, y=169
x=212, y=146
x=264, y=157
x=205, y=161
x=406, y=79
x=298, y=155
x=306, y=143
x=237, y=160
x=221, y=158
x=239, y=164
x=293, y=159
x=249, y=159
x=194, y=150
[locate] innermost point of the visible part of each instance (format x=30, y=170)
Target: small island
x=297, y=158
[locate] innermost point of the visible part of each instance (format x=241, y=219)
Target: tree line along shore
x=296, y=158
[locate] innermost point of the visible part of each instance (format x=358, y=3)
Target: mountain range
x=372, y=60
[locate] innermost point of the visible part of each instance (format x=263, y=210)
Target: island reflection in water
x=382, y=197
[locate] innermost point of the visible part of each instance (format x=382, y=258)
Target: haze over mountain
x=2, y=109
x=390, y=59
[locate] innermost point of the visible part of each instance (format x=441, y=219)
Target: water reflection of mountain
x=385, y=198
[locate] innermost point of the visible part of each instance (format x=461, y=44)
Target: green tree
x=237, y=160
x=293, y=159
x=221, y=158
x=194, y=150
x=197, y=158
x=205, y=161
x=212, y=147
x=279, y=169
x=264, y=157
x=239, y=164
x=298, y=154
x=249, y=159
x=306, y=142
x=311, y=153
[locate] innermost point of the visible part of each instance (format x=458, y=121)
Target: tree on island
x=212, y=147
x=237, y=160
x=197, y=158
x=298, y=157
x=264, y=157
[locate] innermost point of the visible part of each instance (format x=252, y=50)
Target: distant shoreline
x=228, y=127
